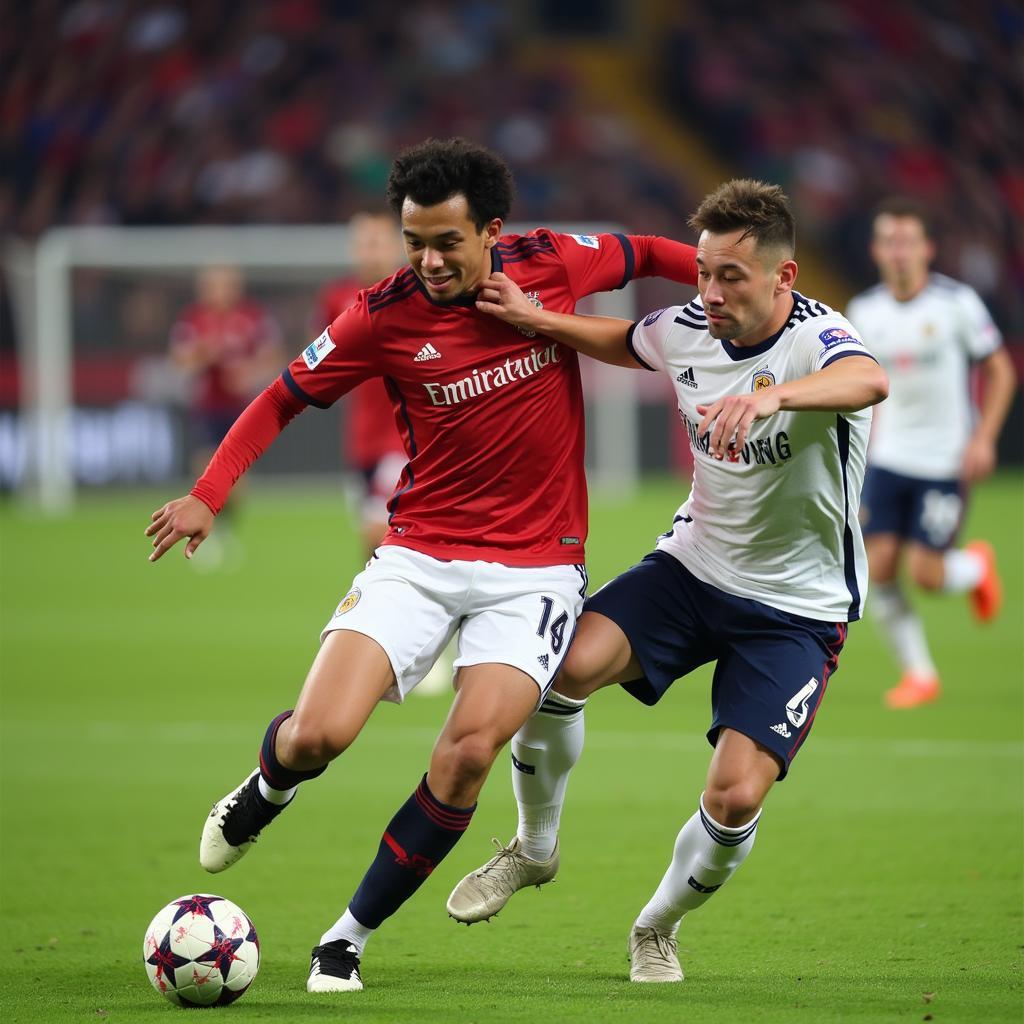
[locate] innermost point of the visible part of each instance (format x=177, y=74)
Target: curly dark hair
x=433, y=171
x=760, y=210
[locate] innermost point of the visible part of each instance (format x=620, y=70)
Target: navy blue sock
x=417, y=839
x=275, y=774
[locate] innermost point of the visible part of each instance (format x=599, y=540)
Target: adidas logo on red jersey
x=427, y=352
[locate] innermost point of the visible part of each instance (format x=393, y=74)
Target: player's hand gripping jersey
x=491, y=418
x=775, y=521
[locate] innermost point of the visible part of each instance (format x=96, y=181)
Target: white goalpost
x=40, y=283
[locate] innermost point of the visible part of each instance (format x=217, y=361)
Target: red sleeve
x=601, y=263
x=250, y=436
x=344, y=355
x=655, y=256
x=593, y=263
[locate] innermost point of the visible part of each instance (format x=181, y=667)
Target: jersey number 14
x=557, y=627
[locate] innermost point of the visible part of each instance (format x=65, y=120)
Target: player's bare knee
x=927, y=574
x=307, y=745
x=471, y=756
x=733, y=804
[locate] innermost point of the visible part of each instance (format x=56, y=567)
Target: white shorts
x=413, y=605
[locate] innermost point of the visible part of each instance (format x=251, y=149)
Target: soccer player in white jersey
x=927, y=445
x=760, y=571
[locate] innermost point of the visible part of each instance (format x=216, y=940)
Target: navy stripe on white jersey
x=806, y=309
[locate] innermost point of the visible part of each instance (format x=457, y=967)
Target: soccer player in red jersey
x=231, y=346
x=372, y=442
x=487, y=523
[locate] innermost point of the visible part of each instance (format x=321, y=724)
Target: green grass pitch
x=885, y=884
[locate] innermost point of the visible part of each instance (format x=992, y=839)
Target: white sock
x=274, y=796
x=543, y=753
x=902, y=628
x=962, y=570
x=349, y=929
x=705, y=856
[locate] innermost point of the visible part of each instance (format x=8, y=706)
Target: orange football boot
x=913, y=690
x=987, y=596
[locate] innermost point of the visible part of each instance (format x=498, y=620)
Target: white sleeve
x=823, y=341
x=979, y=334
x=646, y=338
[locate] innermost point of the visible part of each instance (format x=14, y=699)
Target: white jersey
x=775, y=521
x=925, y=345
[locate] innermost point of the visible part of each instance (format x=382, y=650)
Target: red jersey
x=491, y=418
x=370, y=429
x=230, y=339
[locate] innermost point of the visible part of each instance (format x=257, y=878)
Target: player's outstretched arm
x=849, y=384
x=599, y=337
x=252, y=433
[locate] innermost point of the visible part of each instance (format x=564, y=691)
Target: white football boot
x=482, y=893
x=234, y=824
x=653, y=956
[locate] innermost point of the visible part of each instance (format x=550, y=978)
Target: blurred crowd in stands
x=845, y=103
x=289, y=111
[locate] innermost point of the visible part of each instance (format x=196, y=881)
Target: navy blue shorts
x=928, y=511
x=771, y=669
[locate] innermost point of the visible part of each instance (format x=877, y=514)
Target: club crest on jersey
x=534, y=297
x=796, y=706
x=588, y=241
x=349, y=602
x=762, y=379
x=838, y=336
x=314, y=354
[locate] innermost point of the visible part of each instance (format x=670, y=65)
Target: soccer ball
x=201, y=951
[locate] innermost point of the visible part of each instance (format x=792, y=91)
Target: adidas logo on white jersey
x=782, y=729
x=427, y=352
x=687, y=378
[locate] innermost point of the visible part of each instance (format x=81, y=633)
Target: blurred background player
x=230, y=347
x=373, y=447
x=929, y=443
x=372, y=444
